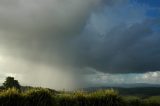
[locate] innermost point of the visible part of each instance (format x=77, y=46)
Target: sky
x=65, y=44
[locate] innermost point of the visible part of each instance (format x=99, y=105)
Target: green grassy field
x=47, y=97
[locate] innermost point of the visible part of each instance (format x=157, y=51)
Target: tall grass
x=33, y=97
x=44, y=97
x=98, y=98
x=152, y=101
x=38, y=97
x=11, y=97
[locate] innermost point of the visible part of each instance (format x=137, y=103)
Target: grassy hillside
x=136, y=91
x=47, y=97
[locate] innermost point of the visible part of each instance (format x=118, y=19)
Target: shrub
x=44, y=97
x=152, y=101
x=133, y=101
x=11, y=97
x=98, y=98
x=66, y=100
x=38, y=97
x=106, y=98
x=33, y=97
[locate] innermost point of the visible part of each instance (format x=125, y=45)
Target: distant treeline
x=136, y=91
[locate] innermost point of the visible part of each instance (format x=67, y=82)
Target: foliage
x=98, y=98
x=34, y=97
x=38, y=97
x=11, y=97
x=10, y=82
x=152, y=101
x=45, y=97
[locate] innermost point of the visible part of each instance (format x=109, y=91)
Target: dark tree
x=10, y=82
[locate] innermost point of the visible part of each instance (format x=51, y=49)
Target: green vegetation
x=137, y=101
x=32, y=97
x=98, y=98
x=44, y=97
x=29, y=96
x=11, y=82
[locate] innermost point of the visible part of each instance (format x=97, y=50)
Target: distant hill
x=138, y=89
x=135, y=85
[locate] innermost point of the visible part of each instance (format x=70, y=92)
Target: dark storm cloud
x=41, y=29
x=59, y=39
x=35, y=36
x=114, y=2
x=129, y=46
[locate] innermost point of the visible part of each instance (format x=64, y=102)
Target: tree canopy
x=10, y=82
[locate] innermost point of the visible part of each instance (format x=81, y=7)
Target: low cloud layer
x=105, y=79
x=58, y=40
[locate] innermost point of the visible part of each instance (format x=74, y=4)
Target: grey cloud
x=124, y=48
x=47, y=16
x=51, y=38
x=35, y=36
x=101, y=79
x=32, y=28
x=114, y=2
